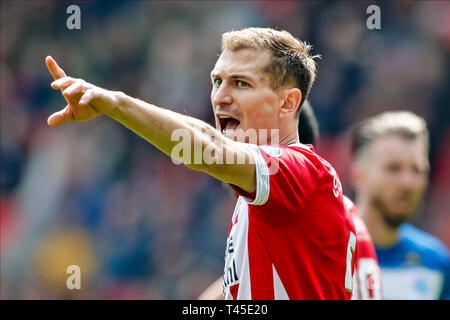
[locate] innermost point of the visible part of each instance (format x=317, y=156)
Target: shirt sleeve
x=284, y=177
x=260, y=196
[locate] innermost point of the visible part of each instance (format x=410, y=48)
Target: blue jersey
x=417, y=267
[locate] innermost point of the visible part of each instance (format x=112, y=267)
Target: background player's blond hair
x=403, y=123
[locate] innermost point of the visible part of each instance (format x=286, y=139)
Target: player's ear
x=290, y=102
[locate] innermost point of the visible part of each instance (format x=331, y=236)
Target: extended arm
x=161, y=127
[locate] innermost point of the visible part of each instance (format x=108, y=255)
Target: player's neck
x=289, y=138
x=381, y=233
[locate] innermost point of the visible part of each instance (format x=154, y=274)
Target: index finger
x=54, y=69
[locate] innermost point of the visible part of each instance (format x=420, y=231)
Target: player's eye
x=217, y=82
x=420, y=170
x=393, y=168
x=242, y=84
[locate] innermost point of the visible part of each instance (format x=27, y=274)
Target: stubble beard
x=393, y=220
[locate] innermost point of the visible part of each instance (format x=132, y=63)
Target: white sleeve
x=262, y=176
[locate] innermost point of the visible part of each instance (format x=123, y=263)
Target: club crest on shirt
x=272, y=151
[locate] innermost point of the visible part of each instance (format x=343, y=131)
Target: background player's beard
x=393, y=220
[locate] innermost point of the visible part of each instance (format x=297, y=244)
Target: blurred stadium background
x=96, y=195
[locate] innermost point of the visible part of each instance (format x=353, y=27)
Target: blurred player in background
x=308, y=127
x=367, y=278
x=290, y=236
x=390, y=174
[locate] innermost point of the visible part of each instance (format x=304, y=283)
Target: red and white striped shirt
x=292, y=238
x=367, y=276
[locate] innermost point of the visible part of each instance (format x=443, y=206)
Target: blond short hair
x=402, y=123
x=291, y=61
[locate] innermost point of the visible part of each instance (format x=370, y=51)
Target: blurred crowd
x=139, y=226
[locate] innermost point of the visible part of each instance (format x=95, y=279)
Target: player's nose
x=222, y=95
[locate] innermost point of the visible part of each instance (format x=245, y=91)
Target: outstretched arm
x=156, y=125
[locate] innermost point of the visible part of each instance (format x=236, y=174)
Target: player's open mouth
x=228, y=123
